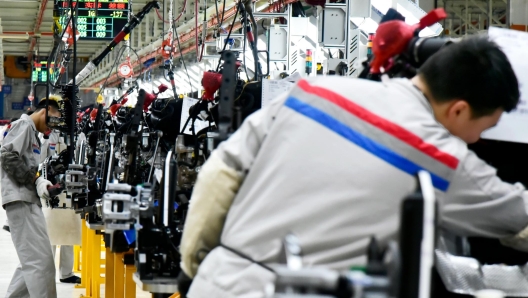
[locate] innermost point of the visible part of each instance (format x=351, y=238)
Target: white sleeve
x=478, y=203
x=217, y=185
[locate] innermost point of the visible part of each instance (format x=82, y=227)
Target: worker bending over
x=332, y=160
x=21, y=193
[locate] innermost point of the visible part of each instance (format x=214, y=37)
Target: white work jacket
x=331, y=162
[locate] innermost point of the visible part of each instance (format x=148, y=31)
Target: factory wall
x=519, y=15
x=20, y=89
x=426, y=5
x=13, y=97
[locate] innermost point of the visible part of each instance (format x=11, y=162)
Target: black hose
x=73, y=99
x=228, y=35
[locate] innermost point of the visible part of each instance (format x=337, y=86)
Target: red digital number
x=112, y=5
x=120, y=6
x=89, y=5
x=65, y=4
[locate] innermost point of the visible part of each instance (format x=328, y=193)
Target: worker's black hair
x=14, y=119
x=475, y=70
x=29, y=112
x=42, y=105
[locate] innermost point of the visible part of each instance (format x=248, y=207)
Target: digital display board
x=39, y=73
x=101, y=20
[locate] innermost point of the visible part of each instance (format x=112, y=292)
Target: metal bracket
x=211, y=50
x=122, y=205
x=76, y=180
x=278, y=43
x=271, y=14
x=238, y=42
x=334, y=16
x=145, y=139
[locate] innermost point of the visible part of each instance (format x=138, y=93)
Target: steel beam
x=489, y=13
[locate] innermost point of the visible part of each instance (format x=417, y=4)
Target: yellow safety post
x=119, y=276
x=109, y=273
x=84, y=255
x=77, y=259
x=93, y=264
x=175, y=295
x=89, y=262
x=96, y=264
x=130, y=285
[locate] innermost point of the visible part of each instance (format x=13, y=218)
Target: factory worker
x=332, y=160
x=21, y=193
x=52, y=144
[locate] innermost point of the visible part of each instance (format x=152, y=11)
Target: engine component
x=122, y=204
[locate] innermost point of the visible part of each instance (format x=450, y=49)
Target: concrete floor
x=9, y=261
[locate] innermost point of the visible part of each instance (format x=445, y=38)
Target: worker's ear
x=459, y=109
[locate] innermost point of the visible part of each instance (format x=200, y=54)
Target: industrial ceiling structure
x=27, y=30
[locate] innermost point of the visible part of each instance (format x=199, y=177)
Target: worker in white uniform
x=50, y=144
x=21, y=193
x=332, y=160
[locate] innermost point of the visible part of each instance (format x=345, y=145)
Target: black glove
x=184, y=283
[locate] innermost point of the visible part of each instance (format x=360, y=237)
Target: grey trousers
x=35, y=275
x=66, y=260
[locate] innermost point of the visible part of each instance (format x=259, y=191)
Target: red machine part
x=393, y=37
x=68, y=36
x=79, y=116
x=114, y=108
x=162, y=88
x=149, y=98
x=93, y=114
x=125, y=69
x=166, y=47
x=211, y=82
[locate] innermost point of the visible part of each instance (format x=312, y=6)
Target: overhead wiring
x=141, y=69
x=181, y=57
x=161, y=18
x=223, y=14
x=199, y=52
x=121, y=52
x=178, y=17
x=59, y=53
x=228, y=35
x=217, y=13
x=181, y=13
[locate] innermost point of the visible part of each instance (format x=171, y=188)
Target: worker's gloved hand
x=42, y=188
